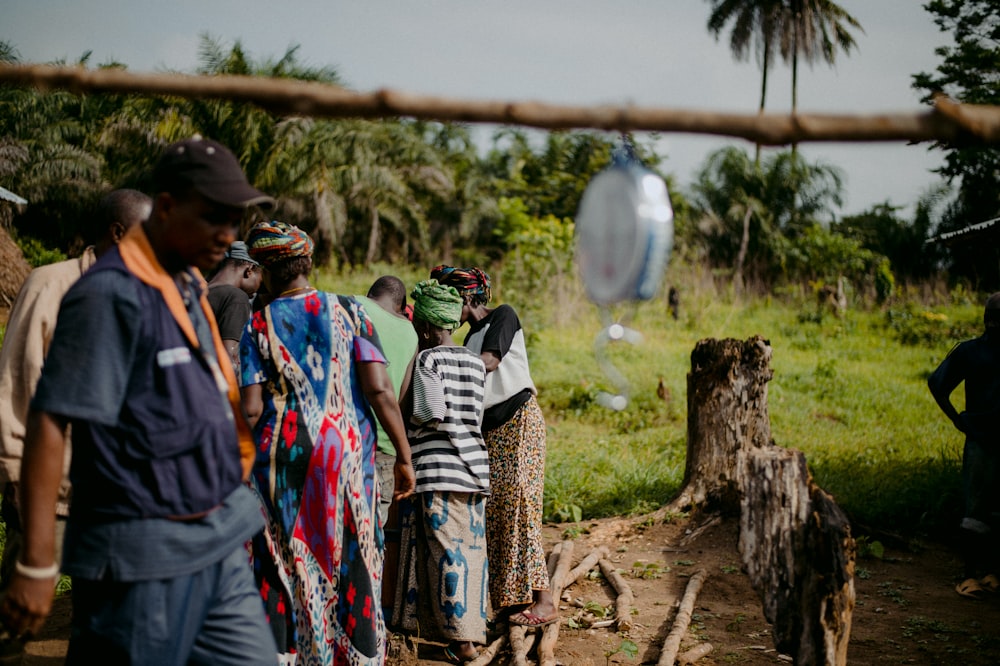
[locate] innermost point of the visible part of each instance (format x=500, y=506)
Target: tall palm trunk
x=325, y=235
x=741, y=256
x=763, y=91
x=373, y=235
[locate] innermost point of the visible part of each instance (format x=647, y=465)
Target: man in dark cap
x=229, y=292
x=154, y=540
x=977, y=363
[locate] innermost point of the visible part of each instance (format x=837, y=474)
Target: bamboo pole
x=947, y=122
x=673, y=643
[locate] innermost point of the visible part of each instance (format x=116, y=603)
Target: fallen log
x=673, y=643
x=624, y=601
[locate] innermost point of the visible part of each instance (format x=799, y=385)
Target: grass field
x=849, y=392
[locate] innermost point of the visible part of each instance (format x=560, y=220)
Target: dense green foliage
x=969, y=72
x=412, y=192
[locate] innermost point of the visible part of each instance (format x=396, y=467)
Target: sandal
x=970, y=589
x=526, y=618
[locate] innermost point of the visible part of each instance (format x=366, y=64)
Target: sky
x=650, y=53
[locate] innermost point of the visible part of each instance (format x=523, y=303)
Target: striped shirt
x=449, y=453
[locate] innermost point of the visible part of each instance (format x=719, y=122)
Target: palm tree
x=814, y=29
x=759, y=205
x=755, y=24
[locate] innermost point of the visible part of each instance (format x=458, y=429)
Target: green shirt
x=399, y=344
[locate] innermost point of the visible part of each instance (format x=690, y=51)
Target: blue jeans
x=213, y=616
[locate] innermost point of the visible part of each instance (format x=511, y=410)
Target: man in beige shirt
x=26, y=341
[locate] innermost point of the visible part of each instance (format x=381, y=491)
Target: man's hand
x=405, y=480
x=26, y=605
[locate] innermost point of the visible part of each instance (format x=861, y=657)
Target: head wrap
x=437, y=304
x=472, y=283
x=271, y=242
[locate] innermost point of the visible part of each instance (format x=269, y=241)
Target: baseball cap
x=238, y=250
x=210, y=169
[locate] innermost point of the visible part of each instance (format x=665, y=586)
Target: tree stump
x=727, y=413
x=797, y=550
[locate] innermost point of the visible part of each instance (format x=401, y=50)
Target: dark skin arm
x=252, y=398
x=27, y=602
x=942, y=383
x=233, y=347
x=381, y=395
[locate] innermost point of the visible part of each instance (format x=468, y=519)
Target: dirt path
x=907, y=611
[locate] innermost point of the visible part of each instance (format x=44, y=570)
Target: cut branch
x=947, y=122
x=624, y=600
x=486, y=656
x=550, y=634
x=673, y=643
x=585, y=565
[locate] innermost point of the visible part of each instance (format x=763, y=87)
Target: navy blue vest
x=174, y=451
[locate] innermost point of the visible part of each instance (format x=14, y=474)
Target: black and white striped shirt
x=449, y=453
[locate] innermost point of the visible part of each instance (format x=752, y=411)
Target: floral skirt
x=514, y=508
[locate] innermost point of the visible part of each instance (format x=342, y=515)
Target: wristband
x=37, y=573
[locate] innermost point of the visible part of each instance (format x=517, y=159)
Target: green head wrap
x=437, y=304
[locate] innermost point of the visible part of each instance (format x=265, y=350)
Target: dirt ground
x=906, y=612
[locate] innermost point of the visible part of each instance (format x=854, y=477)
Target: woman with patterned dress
x=442, y=590
x=312, y=372
x=514, y=430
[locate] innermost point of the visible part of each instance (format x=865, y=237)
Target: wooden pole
x=585, y=565
x=624, y=601
x=550, y=633
x=947, y=122
x=673, y=643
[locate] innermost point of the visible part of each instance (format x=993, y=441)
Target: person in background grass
x=161, y=513
x=313, y=381
x=514, y=429
x=977, y=363
x=443, y=580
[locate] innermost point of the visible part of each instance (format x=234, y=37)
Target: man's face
x=198, y=231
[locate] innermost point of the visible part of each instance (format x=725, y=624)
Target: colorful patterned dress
x=319, y=561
